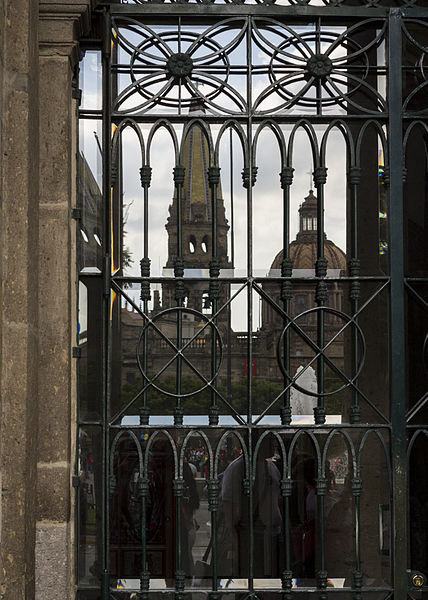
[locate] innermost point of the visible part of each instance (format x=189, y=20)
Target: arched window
x=192, y=244
x=205, y=244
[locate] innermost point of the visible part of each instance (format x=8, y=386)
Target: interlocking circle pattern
x=348, y=321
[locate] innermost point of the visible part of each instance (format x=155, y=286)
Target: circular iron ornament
x=201, y=68
x=319, y=65
x=344, y=317
x=300, y=77
x=179, y=65
x=166, y=313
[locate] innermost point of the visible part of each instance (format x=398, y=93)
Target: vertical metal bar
x=354, y=271
x=318, y=81
x=107, y=209
x=286, y=176
x=321, y=572
x=320, y=178
x=214, y=180
x=214, y=583
x=179, y=173
x=248, y=183
x=145, y=574
x=145, y=176
x=358, y=578
x=232, y=215
x=213, y=494
x=232, y=258
x=179, y=573
x=286, y=491
x=180, y=83
x=248, y=176
x=398, y=371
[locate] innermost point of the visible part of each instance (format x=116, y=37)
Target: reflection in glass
x=339, y=512
x=303, y=512
x=417, y=352
x=90, y=344
x=90, y=225
x=90, y=80
x=126, y=526
x=89, y=502
x=418, y=504
x=196, y=518
x=375, y=513
x=259, y=517
x=416, y=204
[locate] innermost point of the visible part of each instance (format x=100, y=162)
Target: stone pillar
x=61, y=25
x=18, y=294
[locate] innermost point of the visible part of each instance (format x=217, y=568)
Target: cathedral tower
x=196, y=219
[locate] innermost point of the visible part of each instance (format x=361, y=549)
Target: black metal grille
x=292, y=499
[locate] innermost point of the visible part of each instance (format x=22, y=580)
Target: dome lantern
x=303, y=250
x=308, y=215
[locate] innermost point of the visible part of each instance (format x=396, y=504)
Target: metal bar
x=179, y=173
x=241, y=117
x=248, y=183
x=342, y=13
x=286, y=177
x=320, y=177
x=145, y=574
x=107, y=211
x=354, y=271
x=179, y=573
x=362, y=278
x=397, y=308
x=243, y=426
x=145, y=175
x=278, y=591
x=214, y=180
x=287, y=573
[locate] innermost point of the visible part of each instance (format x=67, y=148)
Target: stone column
x=19, y=164
x=61, y=24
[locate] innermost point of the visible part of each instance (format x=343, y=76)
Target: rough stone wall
x=61, y=24
x=19, y=276
x=38, y=54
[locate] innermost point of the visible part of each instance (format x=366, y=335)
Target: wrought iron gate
x=249, y=425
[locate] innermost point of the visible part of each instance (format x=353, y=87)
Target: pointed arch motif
x=186, y=440
x=240, y=439
x=312, y=138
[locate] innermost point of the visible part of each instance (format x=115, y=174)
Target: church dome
x=303, y=250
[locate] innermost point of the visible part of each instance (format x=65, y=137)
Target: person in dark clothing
x=266, y=517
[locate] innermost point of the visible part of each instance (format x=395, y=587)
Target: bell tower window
x=192, y=244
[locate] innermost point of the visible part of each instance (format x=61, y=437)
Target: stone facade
x=37, y=299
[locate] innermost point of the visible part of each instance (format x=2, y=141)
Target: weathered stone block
x=53, y=492
x=52, y=552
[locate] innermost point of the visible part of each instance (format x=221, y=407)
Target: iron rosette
x=169, y=68
x=313, y=68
